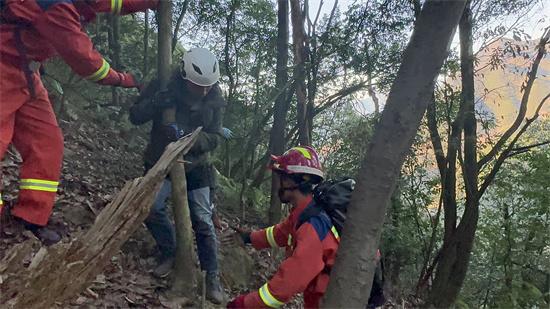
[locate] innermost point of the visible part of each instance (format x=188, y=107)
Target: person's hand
x=219, y=223
x=163, y=99
x=172, y=131
x=236, y=303
x=227, y=133
x=240, y=237
x=129, y=80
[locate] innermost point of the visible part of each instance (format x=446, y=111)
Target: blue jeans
x=200, y=207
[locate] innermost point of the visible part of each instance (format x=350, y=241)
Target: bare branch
x=329, y=24
x=527, y=86
x=435, y=137
x=506, y=153
x=524, y=148
x=318, y=14
x=486, y=43
x=178, y=24
x=332, y=99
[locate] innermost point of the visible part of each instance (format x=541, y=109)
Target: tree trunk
x=184, y=266
x=454, y=258
x=114, y=46
x=277, y=136
x=230, y=74
x=352, y=275
x=298, y=39
x=39, y=285
x=146, y=45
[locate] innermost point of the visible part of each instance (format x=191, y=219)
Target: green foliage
x=342, y=137
x=510, y=264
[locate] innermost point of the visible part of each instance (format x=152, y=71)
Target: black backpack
x=331, y=199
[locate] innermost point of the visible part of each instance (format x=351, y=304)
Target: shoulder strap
x=322, y=224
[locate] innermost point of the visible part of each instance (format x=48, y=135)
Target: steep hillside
x=499, y=84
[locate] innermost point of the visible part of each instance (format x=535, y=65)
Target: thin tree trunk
x=277, y=136
x=231, y=75
x=298, y=39
x=351, y=278
x=184, y=266
x=114, y=46
x=146, y=45
x=227, y=48
x=453, y=262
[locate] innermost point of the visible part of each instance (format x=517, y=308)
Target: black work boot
x=46, y=235
x=214, y=291
x=164, y=268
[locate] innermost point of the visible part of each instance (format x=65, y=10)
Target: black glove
x=246, y=237
x=172, y=131
x=244, y=233
x=163, y=99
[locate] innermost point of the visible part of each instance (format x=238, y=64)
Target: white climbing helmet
x=200, y=67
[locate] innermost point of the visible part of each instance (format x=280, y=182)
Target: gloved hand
x=129, y=80
x=163, y=99
x=173, y=132
x=236, y=303
x=240, y=237
x=244, y=233
x=227, y=133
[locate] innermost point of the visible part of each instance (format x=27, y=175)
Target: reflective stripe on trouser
x=39, y=185
x=31, y=126
x=116, y=6
x=268, y=298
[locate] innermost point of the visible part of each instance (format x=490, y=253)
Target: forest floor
x=97, y=162
x=99, y=158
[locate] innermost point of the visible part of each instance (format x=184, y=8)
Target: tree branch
x=332, y=99
x=435, y=137
x=526, y=87
x=506, y=153
x=524, y=149
x=178, y=24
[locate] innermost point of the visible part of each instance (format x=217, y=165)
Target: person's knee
x=203, y=225
x=156, y=216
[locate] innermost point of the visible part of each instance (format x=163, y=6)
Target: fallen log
x=60, y=272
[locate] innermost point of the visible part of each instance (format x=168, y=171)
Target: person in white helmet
x=194, y=91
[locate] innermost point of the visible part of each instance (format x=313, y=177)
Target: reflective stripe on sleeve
x=335, y=232
x=101, y=73
x=268, y=298
x=270, y=237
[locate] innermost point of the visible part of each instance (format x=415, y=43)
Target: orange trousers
x=30, y=124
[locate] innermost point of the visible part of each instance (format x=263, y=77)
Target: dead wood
x=60, y=272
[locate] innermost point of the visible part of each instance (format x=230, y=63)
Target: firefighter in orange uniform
x=32, y=31
x=311, y=247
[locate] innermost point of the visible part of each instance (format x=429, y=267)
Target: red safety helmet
x=298, y=160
